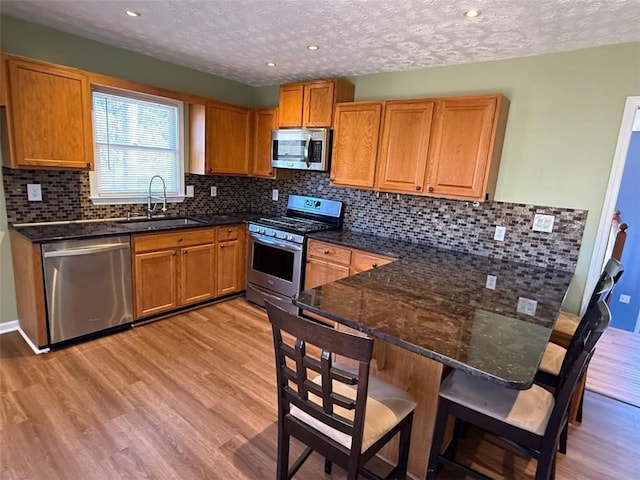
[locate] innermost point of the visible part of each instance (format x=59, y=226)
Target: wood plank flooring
x=193, y=397
x=614, y=370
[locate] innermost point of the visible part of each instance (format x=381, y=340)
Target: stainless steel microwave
x=301, y=149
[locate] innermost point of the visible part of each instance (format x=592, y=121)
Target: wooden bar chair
x=339, y=412
x=528, y=420
x=549, y=370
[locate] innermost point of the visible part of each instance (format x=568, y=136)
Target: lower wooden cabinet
x=185, y=267
x=327, y=263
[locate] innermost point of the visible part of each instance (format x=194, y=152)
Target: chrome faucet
x=151, y=210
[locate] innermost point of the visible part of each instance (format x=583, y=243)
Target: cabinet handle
x=418, y=188
x=431, y=189
x=374, y=265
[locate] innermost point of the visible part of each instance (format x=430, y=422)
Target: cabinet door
x=406, y=132
x=264, y=120
x=463, y=138
x=355, y=144
x=227, y=139
x=319, y=273
x=318, y=104
x=155, y=275
x=197, y=274
x=290, y=105
x=51, y=116
x=229, y=267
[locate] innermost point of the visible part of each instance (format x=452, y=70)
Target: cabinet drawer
x=228, y=233
x=363, y=261
x=329, y=252
x=181, y=238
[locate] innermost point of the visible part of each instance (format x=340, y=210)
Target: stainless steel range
x=276, y=248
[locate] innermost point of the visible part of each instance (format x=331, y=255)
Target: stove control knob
x=272, y=233
x=290, y=237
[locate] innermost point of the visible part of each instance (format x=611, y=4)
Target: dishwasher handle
x=86, y=251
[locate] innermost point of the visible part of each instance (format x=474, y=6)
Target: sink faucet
x=151, y=210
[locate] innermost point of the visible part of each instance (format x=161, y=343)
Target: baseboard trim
x=35, y=349
x=7, y=327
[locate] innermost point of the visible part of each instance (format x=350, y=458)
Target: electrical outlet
x=499, y=235
x=491, y=282
x=527, y=306
x=543, y=223
x=274, y=194
x=34, y=192
x=625, y=298
x=189, y=190
x=214, y=191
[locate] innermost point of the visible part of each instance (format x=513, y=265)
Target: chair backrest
x=576, y=359
x=610, y=275
x=294, y=362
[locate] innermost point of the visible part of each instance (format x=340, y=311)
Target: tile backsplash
x=450, y=224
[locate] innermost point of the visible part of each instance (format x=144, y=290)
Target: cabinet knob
x=230, y=230
x=184, y=252
x=326, y=252
x=88, y=164
x=431, y=189
x=374, y=265
x=222, y=246
x=173, y=254
x=418, y=188
x=179, y=239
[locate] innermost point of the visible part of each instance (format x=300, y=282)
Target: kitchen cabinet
x=48, y=115
x=327, y=263
x=172, y=270
x=447, y=148
x=219, y=139
x=311, y=104
x=263, y=121
x=355, y=143
x=402, y=160
x=231, y=260
x=468, y=133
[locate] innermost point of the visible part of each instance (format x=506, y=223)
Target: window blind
x=136, y=137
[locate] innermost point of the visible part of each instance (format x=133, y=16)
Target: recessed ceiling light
x=473, y=12
x=270, y=64
x=133, y=13
x=313, y=47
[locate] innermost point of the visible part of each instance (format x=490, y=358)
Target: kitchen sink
x=154, y=224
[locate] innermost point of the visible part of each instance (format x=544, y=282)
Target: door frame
x=613, y=188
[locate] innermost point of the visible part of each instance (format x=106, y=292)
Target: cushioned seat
x=567, y=323
x=552, y=358
x=386, y=407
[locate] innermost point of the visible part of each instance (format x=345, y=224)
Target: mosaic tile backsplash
x=451, y=224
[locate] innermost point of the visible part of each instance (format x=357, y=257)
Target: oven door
x=274, y=264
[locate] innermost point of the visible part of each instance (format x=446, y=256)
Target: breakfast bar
x=433, y=308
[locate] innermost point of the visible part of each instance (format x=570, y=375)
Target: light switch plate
x=34, y=192
x=214, y=191
x=625, y=298
x=189, y=190
x=274, y=194
x=491, y=282
x=543, y=223
x=500, y=232
x=527, y=306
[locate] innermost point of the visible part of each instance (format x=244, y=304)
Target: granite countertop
x=436, y=303
x=49, y=232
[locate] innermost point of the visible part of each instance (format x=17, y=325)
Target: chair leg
x=547, y=462
x=579, y=412
x=438, y=435
x=327, y=465
x=282, y=466
x=563, y=438
x=403, y=448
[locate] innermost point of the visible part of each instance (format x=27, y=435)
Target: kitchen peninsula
x=432, y=307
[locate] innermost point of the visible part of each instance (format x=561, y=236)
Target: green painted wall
x=562, y=130
x=8, y=310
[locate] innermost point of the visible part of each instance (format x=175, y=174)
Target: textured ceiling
x=235, y=38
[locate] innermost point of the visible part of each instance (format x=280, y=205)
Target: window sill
x=133, y=200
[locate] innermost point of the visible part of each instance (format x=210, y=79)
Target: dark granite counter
x=49, y=232
x=437, y=303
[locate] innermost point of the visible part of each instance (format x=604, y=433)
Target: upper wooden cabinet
x=49, y=116
x=263, y=120
x=311, y=104
x=404, y=145
x=219, y=139
x=355, y=143
x=468, y=134
x=448, y=148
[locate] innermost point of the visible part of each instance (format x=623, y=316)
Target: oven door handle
x=268, y=241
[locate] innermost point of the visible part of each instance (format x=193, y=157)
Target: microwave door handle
x=307, y=145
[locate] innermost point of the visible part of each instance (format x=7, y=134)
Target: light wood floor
x=193, y=397
x=614, y=370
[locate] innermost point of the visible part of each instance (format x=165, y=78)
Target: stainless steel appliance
x=87, y=285
x=301, y=149
x=276, y=248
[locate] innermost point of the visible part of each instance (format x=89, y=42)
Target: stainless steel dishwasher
x=88, y=286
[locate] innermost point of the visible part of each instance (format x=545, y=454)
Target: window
x=136, y=136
